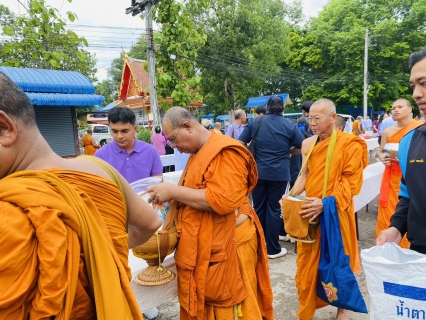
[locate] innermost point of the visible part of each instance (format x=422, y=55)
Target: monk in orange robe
x=221, y=257
x=345, y=180
x=89, y=144
x=401, y=113
x=64, y=244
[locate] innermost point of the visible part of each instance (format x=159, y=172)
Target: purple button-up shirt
x=142, y=162
x=234, y=130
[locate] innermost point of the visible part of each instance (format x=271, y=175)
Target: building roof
x=53, y=87
x=261, y=101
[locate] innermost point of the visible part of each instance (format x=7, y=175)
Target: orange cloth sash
x=394, y=168
x=344, y=181
x=390, y=187
x=48, y=223
x=206, y=259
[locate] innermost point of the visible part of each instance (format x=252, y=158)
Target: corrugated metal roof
x=64, y=100
x=54, y=87
x=49, y=81
x=261, y=101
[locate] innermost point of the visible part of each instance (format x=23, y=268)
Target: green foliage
x=329, y=51
x=144, y=134
x=40, y=40
x=246, y=43
x=107, y=89
x=179, y=41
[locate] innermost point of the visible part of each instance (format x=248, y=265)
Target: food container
x=390, y=150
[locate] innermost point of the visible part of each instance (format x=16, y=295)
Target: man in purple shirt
x=134, y=159
x=235, y=129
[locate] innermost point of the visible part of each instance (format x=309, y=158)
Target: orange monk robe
x=355, y=127
x=52, y=217
x=212, y=283
x=390, y=187
x=113, y=209
x=88, y=146
x=345, y=181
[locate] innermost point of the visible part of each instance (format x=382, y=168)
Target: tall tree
x=40, y=40
x=329, y=52
x=246, y=42
x=179, y=41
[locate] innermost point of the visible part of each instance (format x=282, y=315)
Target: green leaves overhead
x=329, y=51
x=40, y=40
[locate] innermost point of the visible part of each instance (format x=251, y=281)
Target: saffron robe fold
x=210, y=280
x=344, y=182
x=47, y=228
x=390, y=187
x=89, y=148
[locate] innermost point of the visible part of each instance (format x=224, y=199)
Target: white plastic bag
x=396, y=281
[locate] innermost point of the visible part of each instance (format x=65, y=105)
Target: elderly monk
x=401, y=113
x=89, y=144
x=63, y=239
x=345, y=180
x=221, y=256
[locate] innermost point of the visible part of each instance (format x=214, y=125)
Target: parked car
x=349, y=119
x=101, y=133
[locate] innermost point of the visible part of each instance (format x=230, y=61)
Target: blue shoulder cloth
x=404, y=146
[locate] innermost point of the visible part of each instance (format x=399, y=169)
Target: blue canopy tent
x=55, y=95
x=261, y=101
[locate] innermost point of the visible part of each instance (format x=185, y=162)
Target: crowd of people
x=67, y=224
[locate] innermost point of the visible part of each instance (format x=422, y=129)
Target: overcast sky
x=107, y=28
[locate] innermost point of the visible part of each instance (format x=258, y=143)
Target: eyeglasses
x=318, y=119
x=172, y=142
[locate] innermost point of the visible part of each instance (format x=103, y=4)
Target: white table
x=168, y=160
x=372, y=144
x=151, y=297
x=172, y=177
x=370, y=188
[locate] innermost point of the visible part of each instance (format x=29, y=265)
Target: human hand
x=391, y=234
x=313, y=209
x=161, y=193
x=386, y=161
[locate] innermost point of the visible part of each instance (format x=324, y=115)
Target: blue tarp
x=207, y=116
x=108, y=107
x=261, y=101
x=54, y=87
x=224, y=117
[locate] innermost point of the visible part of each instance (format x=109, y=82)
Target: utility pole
x=366, y=72
x=138, y=6
x=366, y=85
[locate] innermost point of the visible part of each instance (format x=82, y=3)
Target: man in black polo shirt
x=410, y=216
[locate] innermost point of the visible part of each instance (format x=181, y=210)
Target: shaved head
x=15, y=103
x=340, y=123
x=178, y=115
x=405, y=101
x=326, y=105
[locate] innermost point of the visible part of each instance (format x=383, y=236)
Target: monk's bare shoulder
x=307, y=144
x=83, y=165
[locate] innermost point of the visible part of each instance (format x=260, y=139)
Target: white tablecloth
x=371, y=185
x=151, y=297
x=372, y=143
x=168, y=160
